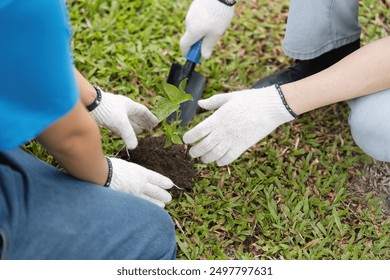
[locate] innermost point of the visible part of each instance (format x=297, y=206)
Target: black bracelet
x=277, y=86
x=97, y=101
x=110, y=170
x=228, y=3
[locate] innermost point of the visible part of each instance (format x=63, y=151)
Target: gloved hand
x=206, y=19
x=242, y=120
x=123, y=117
x=137, y=180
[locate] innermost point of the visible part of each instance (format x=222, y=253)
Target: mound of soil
x=173, y=162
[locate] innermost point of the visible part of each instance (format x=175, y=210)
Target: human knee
x=372, y=135
x=145, y=234
x=161, y=236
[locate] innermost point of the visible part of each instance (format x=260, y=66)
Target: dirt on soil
x=375, y=180
x=173, y=162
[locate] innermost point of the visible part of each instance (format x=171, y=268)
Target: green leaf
x=168, y=142
x=176, y=139
x=165, y=108
x=184, y=97
x=176, y=95
x=160, y=87
x=168, y=129
x=183, y=248
x=336, y=218
x=183, y=84
x=171, y=92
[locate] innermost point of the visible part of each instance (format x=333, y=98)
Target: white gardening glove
x=137, y=180
x=243, y=119
x=124, y=117
x=206, y=19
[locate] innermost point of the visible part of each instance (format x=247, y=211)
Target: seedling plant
x=169, y=103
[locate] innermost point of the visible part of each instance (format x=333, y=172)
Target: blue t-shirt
x=37, y=82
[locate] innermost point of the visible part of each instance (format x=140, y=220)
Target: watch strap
x=229, y=3
x=97, y=101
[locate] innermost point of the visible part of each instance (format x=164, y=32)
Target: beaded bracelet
x=110, y=170
x=277, y=86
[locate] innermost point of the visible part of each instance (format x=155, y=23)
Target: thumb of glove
x=215, y=101
x=189, y=38
x=208, y=44
x=127, y=133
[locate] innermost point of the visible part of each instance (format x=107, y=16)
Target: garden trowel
x=195, y=83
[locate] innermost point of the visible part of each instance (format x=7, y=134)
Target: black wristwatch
x=97, y=100
x=229, y=3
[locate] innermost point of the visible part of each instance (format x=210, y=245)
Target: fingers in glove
x=202, y=148
x=152, y=200
x=127, y=133
x=157, y=193
x=215, y=154
x=136, y=127
x=141, y=115
x=208, y=43
x=189, y=38
x=229, y=157
x=215, y=101
x=198, y=132
x=159, y=180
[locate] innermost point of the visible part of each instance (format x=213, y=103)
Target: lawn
x=288, y=197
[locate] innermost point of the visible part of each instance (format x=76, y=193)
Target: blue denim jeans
x=317, y=26
x=47, y=214
x=370, y=124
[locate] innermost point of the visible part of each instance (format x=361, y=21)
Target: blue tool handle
x=195, y=53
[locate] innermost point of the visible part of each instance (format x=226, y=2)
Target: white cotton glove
x=137, y=180
x=243, y=119
x=206, y=19
x=123, y=117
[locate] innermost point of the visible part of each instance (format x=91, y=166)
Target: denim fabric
x=317, y=26
x=370, y=124
x=47, y=214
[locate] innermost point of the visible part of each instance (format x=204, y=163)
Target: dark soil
x=375, y=180
x=173, y=162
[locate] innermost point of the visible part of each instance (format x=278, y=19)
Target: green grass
x=285, y=198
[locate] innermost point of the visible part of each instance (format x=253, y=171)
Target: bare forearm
x=363, y=72
x=74, y=141
x=87, y=91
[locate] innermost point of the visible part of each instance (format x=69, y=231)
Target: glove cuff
x=295, y=116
